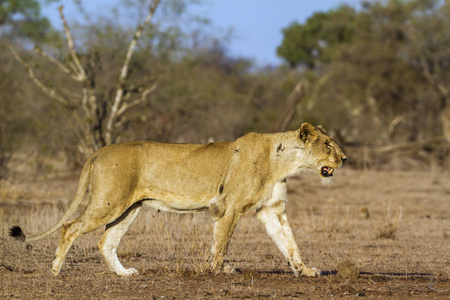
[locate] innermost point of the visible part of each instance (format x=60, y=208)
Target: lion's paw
x=228, y=269
x=55, y=272
x=128, y=272
x=311, y=272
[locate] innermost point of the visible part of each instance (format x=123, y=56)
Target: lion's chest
x=273, y=195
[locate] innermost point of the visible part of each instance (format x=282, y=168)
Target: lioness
x=226, y=178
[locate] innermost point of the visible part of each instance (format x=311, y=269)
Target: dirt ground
x=393, y=227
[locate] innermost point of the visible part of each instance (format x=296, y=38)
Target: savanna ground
x=393, y=225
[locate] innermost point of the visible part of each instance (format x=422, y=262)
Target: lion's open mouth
x=327, y=171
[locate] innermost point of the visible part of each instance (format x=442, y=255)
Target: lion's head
x=325, y=154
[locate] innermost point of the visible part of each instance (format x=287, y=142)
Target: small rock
x=348, y=270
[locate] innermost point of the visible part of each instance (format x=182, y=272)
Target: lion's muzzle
x=327, y=171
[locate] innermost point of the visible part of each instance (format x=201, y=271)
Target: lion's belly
x=178, y=204
x=161, y=205
x=181, y=194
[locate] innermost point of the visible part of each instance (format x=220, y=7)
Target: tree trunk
x=289, y=108
x=445, y=119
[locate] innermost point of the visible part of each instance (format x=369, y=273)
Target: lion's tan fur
x=226, y=178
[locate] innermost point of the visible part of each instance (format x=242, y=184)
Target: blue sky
x=256, y=24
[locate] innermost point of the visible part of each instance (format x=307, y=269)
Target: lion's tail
x=85, y=178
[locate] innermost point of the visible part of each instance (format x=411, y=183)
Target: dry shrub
x=364, y=213
x=389, y=230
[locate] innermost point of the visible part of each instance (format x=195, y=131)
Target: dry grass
x=392, y=225
x=389, y=230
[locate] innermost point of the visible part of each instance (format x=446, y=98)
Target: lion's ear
x=306, y=132
x=321, y=128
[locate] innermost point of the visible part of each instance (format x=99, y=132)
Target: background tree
x=315, y=41
x=23, y=19
x=382, y=71
x=97, y=120
x=430, y=36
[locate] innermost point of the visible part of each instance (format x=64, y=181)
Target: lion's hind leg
x=94, y=216
x=70, y=231
x=111, y=239
x=223, y=230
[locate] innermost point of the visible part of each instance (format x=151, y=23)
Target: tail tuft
x=17, y=233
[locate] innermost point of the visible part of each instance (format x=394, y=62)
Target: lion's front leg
x=277, y=226
x=305, y=271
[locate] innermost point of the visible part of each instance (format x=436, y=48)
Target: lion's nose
x=344, y=159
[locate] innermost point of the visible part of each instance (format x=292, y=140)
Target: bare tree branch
x=48, y=90
x=124, y=72
x=81, y=73
x=60, y=65
x=89, y=101
x=84, y=103
x=85, y=98
x=86, y=139
x=138, y=101
x=74, y=76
